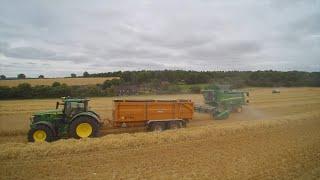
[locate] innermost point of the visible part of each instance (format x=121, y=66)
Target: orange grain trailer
x=156, y=115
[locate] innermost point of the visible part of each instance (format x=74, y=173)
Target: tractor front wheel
x=84, y=127
x=40, y=133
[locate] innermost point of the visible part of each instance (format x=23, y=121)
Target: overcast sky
x=59, y=37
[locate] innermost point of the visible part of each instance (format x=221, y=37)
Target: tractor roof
x=70, y=99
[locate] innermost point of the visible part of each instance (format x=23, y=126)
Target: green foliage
x=41, y=76
x=236, y=79
x=86, y=74
x=195, y=89
x=287, y=79
x=164, y=82
x=111, y=83
x=73, y=75
x=41, y=91
x=21, y=76
x=5, y=92
x=170, y=89
x=59, y=91
x=23, y=90
x=55, y=84
x=3, y=77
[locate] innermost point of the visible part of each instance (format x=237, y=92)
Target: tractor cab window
x=72, y=108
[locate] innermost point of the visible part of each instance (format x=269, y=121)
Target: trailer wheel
x=40, y=133
x=184, y=123
x=157, y=126
x=84, y=127
x=175, y=124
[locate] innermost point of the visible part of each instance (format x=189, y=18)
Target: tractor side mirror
x=57, y=105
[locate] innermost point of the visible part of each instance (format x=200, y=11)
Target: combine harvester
x=75, y=119
x=220, y=101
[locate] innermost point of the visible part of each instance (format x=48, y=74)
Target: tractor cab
x=72, y=106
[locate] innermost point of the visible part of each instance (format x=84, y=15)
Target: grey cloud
x=309, y=24
x=28, y=53
x=3, y=46
x=128, y=65
x=178, y=41
x=131, y=64
x=39, y=54
x=230, y=50
x=13, y=65
x=134, y=53
x=159, y=34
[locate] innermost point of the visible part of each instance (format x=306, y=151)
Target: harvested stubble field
x=49, y=81
x=276, y=137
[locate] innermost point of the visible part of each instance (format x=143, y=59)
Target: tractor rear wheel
x=40, y=133
x=84, y=127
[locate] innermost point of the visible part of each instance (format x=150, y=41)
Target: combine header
x=220, y=101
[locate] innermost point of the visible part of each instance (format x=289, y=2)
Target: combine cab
x=220, y=101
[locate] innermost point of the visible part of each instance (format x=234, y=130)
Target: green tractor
x=221, y=101
x=71, y=118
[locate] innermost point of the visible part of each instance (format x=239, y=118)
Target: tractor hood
x=49, y=112
x=49, y=115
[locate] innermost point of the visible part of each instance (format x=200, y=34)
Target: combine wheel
x=175, y=124
x=40, y=133
x=84, y=127
x=157, y=126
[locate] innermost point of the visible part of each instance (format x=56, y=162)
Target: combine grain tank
x=155, y=114
x=220, y=101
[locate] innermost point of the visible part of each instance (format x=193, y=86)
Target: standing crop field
x=49, y=81
x=276, y=137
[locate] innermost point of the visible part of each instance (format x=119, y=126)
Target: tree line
x=236, y=78
x=23, y=76
x=26, y=91
x=167, y=81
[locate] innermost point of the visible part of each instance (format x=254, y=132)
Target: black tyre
x=157, y=126
x=184, y=123
x=84, y=127
x=40, y=133
x=174, y=124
